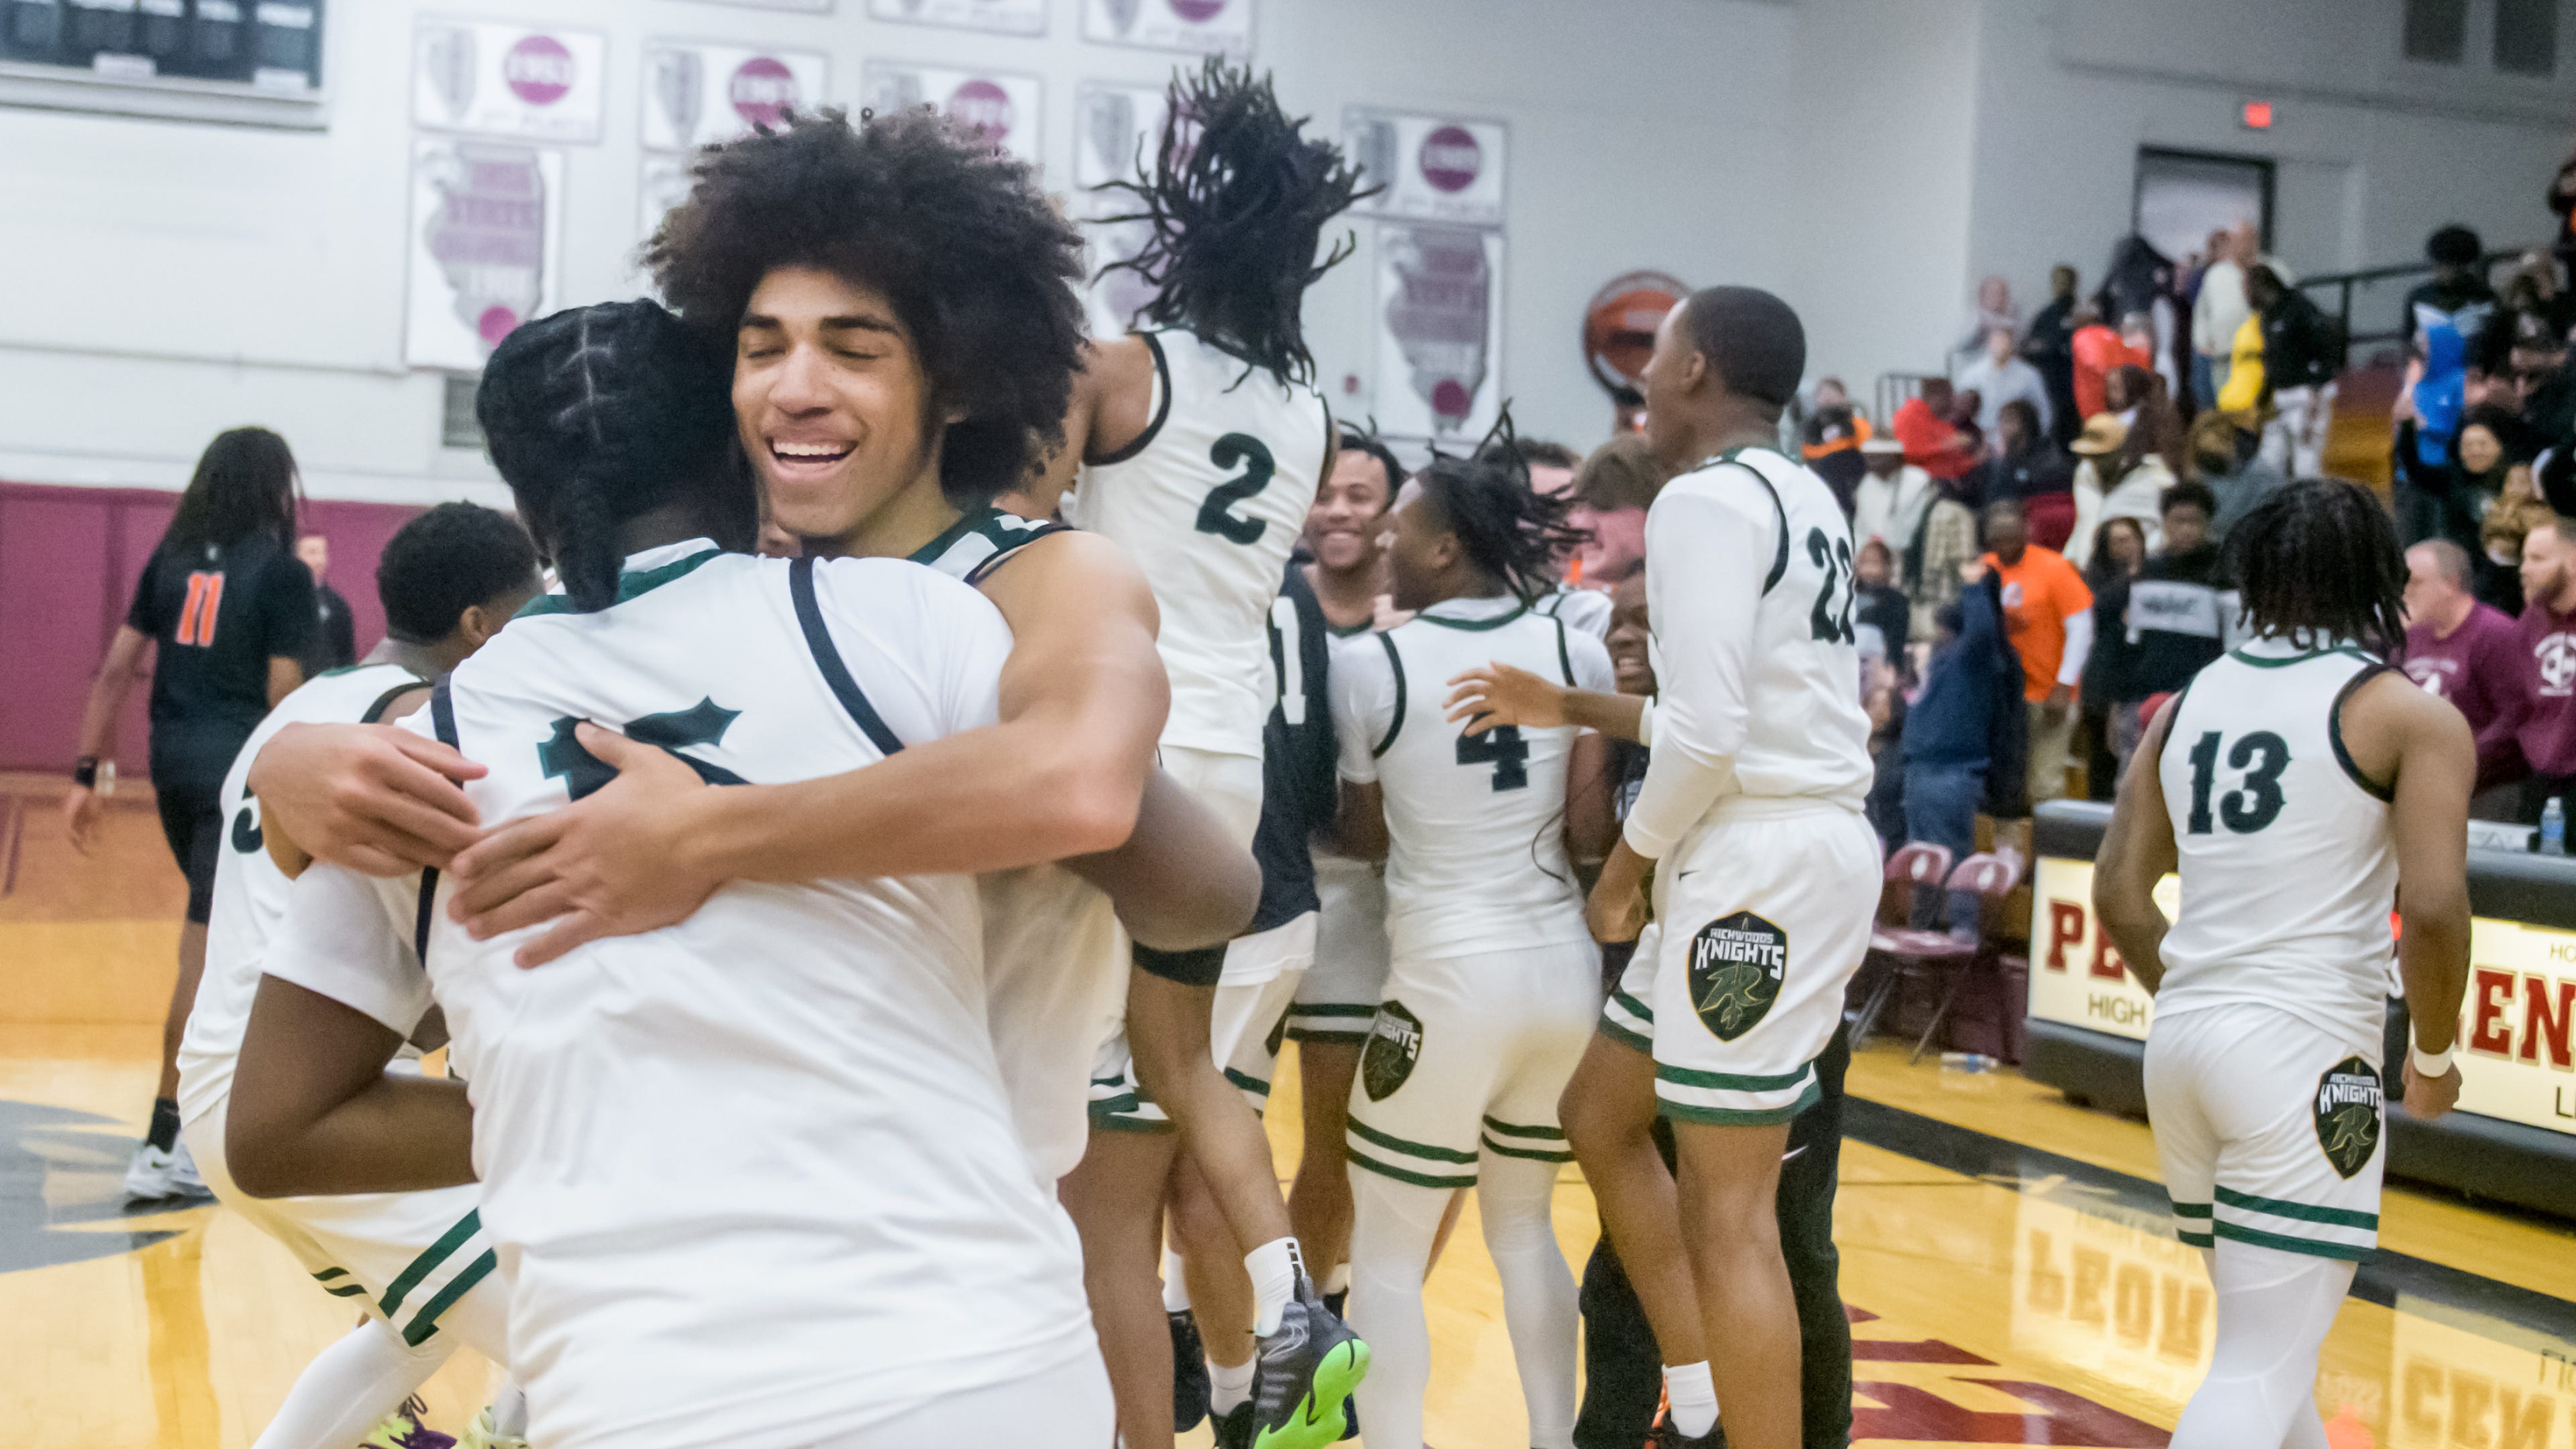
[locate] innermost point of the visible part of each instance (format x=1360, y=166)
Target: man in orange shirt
x=2099, y=352
x=2048, y=617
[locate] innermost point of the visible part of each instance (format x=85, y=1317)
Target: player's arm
x=1708, y=561
x=1083, y=697
x=285, y=676
x=129, y=657
x=379, y=800
x=2137, y=852
x=1364, y=693
x=1498, y=694
x=2435, y=769
x=1180, y=883
x=1112, y=406
x=1591, y=821
x=312, y=1108
x=1359, y=823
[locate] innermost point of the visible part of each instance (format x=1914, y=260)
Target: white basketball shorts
x=1467, y=1055
x=2268, y=1130
x=1765, y=917
x=1339, y=997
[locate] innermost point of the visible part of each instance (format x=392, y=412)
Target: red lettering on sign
x=2546, y=1021
x=2490, y=993
x=2065, y=927
x=2106, y=961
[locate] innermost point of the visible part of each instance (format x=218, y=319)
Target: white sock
x=350, y=1386
x=1693, y=1395
x=510, y=1410
x=1228, y=1387
x=1273, y=1268
x=1176, y=1283
x=1338, y=1280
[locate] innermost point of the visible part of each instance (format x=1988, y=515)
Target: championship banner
x=1432, y=168
x=1439, y=318
x=1000, y=17
x=1003, y=107
x=1205, y=27
x=1117, y=128
x=697, y=93
x=2517, y=1047
x=499, y=78
x=486, y=247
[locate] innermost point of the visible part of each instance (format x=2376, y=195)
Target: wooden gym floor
x=2005, y=1256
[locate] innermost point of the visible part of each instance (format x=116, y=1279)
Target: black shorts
x=1186, y=968
x=192, y=820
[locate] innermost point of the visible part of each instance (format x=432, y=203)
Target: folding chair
x=1918, y=866
x=1992, y=877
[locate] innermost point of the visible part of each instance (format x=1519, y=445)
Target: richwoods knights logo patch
x=1394, y=1045
x=2348, y=1110
x=1736, y=966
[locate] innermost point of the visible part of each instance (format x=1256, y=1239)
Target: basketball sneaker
x=156, y=1173
x=402, y=1429
x=480, y=1435
x=1666, y=1435
x=1338, y=1303
x=1189, y=1372
x=1303, y=1374
x=1233, y=1428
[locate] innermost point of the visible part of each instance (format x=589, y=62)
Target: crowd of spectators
x=2041, y=532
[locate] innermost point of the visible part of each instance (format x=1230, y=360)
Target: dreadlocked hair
x=1238, y=200
x=2317, y=562
x=601, y=414
x=956, y=235
x=1510, y=530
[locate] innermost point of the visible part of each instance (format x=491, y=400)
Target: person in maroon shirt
x=2469, y=653
x=2547, y=733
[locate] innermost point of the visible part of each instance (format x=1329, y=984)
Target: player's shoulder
x=353, y=695
x=1746, y=481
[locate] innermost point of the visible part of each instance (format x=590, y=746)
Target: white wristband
x=2427, y=1064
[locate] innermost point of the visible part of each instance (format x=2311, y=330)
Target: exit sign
x=2257, y=115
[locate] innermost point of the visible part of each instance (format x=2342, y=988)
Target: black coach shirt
x=219, y=613
x=1300, y=790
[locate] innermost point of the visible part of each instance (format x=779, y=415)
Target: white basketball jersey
x=1476, y=855
x=1749, y=587
x=1054, y=957
x=1585, y=609
x=754, y=1174
x=1209, y=501
x=2287, y=858
x=250, y=891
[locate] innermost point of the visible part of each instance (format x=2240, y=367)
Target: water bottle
x=1970, y=1062
x=2553, y=827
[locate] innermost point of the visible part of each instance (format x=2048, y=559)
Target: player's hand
x=614, y=863
x=1385, y=615
x=379, y=800
x=2430, y=1097
x=2060, y=698
x=1616, y=910
x=80, y=816
x=1498, y=694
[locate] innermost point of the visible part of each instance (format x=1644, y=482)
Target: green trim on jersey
x=2280, y=1208
x=2264, y=662
x=630, y=586
x=1418, y=1179
x=1733, y=454
x=1393, y=1143
x=1626, y=1038
x=1353, y=632
x=429, y=1259
x=425, y=1322
x=1473, y=626
x=2313, y=1247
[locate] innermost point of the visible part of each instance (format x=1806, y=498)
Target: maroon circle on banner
x=496, y=323
x=1451, y=400
x=1451, y=160
x=1619, y=325
x=762, y=90
x=1198, y=12
x=539, y=70
x=985, y=107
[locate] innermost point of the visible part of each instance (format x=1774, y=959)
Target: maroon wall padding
x=69, y=558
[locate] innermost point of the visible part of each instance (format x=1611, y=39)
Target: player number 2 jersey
x=2287, y=858
x=1476, y=856
x=1209, y=501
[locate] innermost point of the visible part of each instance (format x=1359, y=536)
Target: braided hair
x=1509, y=530
x=957, y=235
x=601, y=414
x=1238, y=200
x=2318, y=561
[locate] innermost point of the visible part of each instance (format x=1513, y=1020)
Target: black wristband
x=85, y=772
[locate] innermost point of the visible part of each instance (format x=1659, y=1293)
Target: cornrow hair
x=956, y=235
x=1509, y=529
x=2319, y=562
x=598, y=415
x=1238, y=200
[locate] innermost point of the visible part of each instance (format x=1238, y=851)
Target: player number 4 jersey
x=2287, y=858
x=1476, y=856
x=1209, y=501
